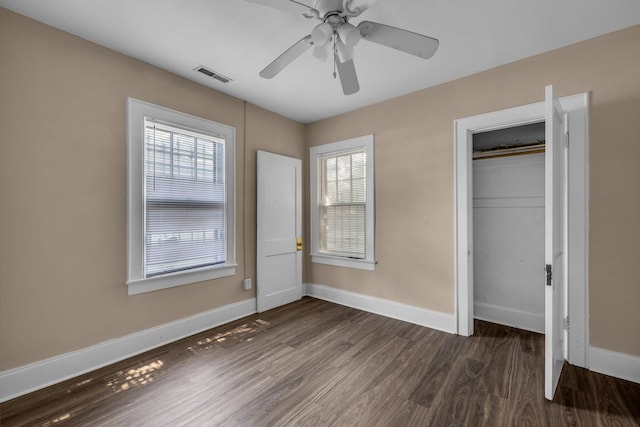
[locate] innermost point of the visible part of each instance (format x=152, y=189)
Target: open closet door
x=555, y=216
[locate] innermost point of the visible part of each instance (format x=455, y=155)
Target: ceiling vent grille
x=209, y=73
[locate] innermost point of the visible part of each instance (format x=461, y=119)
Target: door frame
x=577, y=301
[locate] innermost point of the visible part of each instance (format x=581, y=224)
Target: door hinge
x=549, y=275
x=565, y=139
x=565, y=323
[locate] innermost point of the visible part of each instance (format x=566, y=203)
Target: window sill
x=156, y=283
x=361, y=264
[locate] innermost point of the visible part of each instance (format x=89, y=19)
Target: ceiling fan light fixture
x=322, y=52
x=349, y=34
x=345, y=53
x=321, y=34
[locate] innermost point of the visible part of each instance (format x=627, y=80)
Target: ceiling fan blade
x=406, y=41
x=348, y=77
x=287, y=57
x=291, y=6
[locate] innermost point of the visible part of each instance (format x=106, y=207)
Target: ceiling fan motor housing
x=326, y=6
x=334, y=22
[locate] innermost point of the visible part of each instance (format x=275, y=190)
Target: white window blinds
x=184, y=199
x=342, y=204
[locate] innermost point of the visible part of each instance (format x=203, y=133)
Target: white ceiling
x=238, y=39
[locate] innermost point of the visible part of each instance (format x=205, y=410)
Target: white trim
x=509, y=202
x=137, y=282
x=408, y=313
x=165, y=281
x=578, y=109
x=337, y=261
x=366, y=142
x=578, y=228
x=520, y=319
x=619, y=365
x=25, y=379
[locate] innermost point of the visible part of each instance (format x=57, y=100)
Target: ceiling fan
x=335, y=34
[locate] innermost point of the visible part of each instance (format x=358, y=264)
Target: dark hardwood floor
x=314, y=363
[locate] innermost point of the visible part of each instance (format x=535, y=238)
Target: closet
x=508, y=226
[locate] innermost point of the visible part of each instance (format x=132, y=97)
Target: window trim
x=137, y=282
x=365, y=142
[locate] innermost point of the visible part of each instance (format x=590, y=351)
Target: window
x=180, y=198
x=342, y=203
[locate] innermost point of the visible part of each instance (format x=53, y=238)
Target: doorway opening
x=508, y=226
x=577, y=114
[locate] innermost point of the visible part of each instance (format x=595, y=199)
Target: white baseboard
x=619, y=365
x=25, y=379
x=508, y=316
x=408, y=313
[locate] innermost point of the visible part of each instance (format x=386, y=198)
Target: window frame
x=365, y=142
x=137, y=112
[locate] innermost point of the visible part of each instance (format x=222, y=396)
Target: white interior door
x=279, y=233
x=555, y=214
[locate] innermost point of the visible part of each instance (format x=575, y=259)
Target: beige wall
x=267, y=131
x=63, y=175
x=414, y=179
x=62, y=191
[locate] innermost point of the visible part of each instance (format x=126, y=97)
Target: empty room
x=319, y=213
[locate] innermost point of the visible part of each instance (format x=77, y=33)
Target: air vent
x=208, y=72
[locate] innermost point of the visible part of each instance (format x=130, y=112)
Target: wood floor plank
x=361, y=374
x=432, y=380
x=385, y=401
x=463, y=399
x=612, y=409
x=315, y=363
x=289, y=394
x=311, y=415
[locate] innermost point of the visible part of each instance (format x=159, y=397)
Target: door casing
x=577, y=108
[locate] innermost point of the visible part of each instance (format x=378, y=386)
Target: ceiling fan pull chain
x=335, y=52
